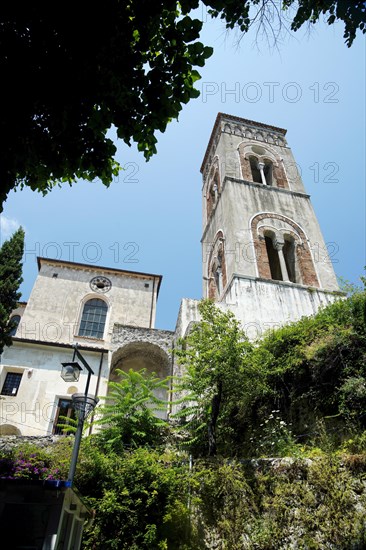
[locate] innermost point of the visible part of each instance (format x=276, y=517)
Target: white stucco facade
x=33, y=410
x=131, y=300
x=33, y=393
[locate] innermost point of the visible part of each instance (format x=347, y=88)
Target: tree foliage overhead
x=353, y=14
x=271, y=17
x=78, y=71
x=11, y=254
x=70, y=74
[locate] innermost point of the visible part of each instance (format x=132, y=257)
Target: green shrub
x=139, y=497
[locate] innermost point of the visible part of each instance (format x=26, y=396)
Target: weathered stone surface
x=10, y=442
x=123, y=335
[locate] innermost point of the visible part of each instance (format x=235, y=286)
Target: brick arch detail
x=217, y=248
x=306, y=264
x=279, y=174
x=215, y=170
x=212, y=179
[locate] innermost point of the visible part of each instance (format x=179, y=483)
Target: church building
x=263, y=258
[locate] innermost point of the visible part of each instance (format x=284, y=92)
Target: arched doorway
x=142, y=355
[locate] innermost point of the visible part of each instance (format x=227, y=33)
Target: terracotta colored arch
x=245, y=152
x=261, y=224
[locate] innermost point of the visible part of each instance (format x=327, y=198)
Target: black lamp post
x=83, y=403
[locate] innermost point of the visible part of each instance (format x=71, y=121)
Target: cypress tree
x=11, y=254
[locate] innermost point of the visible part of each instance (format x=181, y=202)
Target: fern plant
x=128, y=415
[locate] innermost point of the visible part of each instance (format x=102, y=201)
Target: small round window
x=100, y=284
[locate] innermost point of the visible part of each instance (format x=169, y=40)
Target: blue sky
x=150, y=220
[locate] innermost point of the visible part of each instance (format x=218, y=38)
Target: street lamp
x=70, y=372
x=83, y=403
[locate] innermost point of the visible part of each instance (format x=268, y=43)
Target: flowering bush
x=275, y=437
x=27, y=466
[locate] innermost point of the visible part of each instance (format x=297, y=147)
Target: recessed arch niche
x=142, y=355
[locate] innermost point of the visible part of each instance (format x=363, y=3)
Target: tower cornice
x=238, y=121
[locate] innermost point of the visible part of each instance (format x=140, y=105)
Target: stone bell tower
x=264, y=256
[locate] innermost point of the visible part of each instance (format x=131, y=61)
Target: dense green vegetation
x=299, y=394
x=11, y=267
x=283, y=392
x=150, y=499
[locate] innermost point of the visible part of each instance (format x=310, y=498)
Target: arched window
x=217, y=273
x=15, y=320
x=93, y=318
x=289, y=253
x=212, y=194
x=262, y=170
x=282, y=249
x=262, y=165
x=282, y=258
x=273, y=259
x=256, y=175
x=268, y=171
x=217, y=269
x=211, y=200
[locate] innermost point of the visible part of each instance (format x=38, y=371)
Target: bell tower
x=264, y=256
